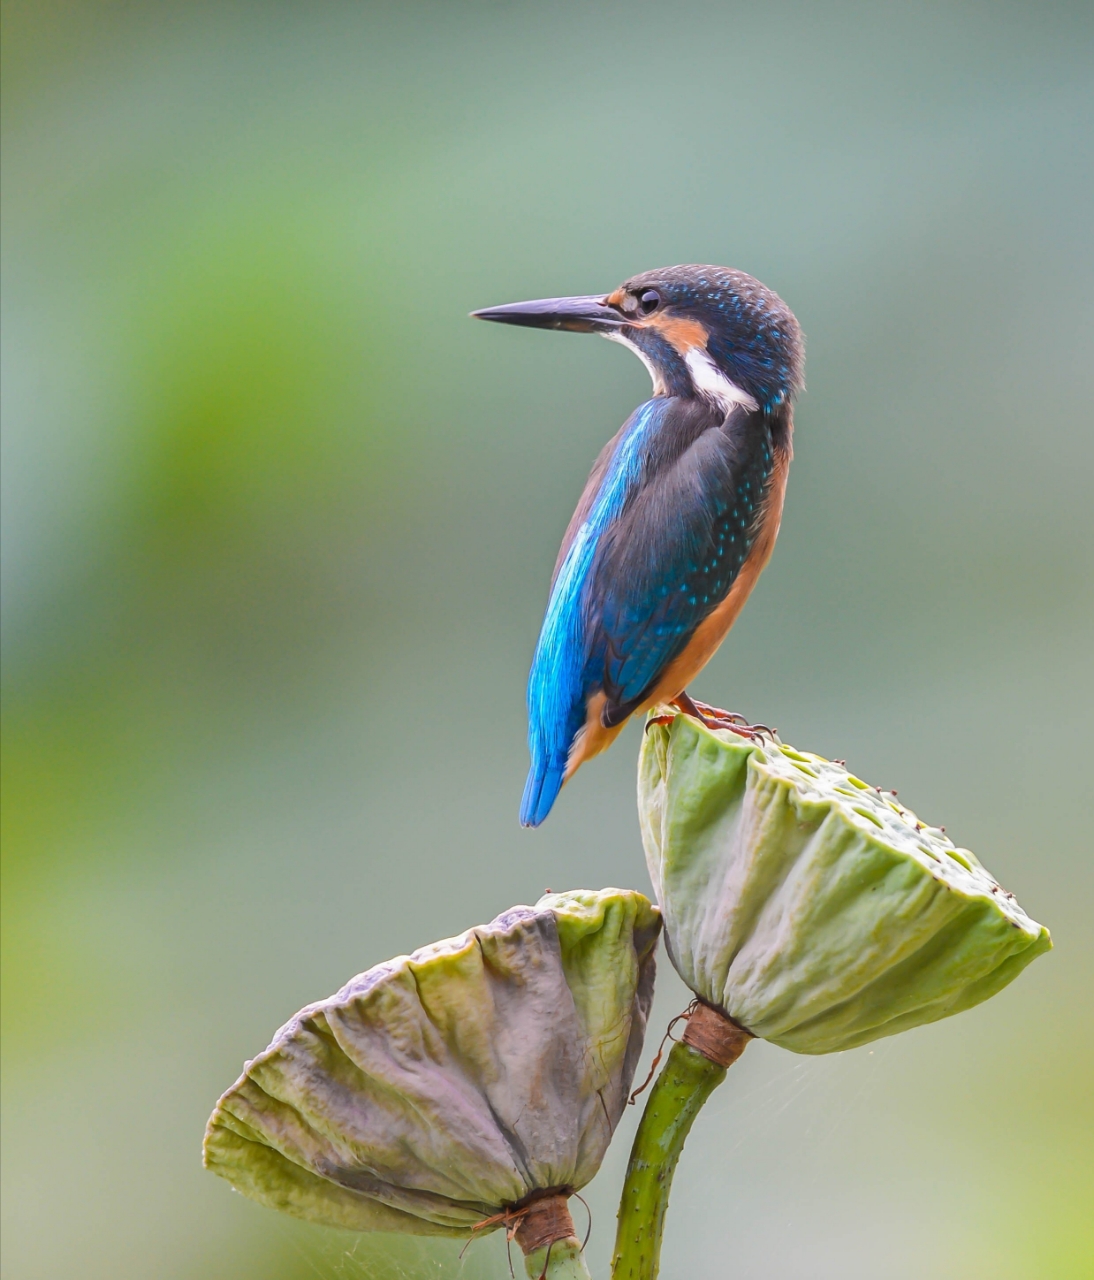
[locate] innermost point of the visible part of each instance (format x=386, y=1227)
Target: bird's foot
x=716, y=718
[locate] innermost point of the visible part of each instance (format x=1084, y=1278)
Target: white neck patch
x=706, y=377
x=711, y=382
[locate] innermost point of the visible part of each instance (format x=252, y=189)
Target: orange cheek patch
x=681, y=334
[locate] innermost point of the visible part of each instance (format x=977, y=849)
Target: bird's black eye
x=649, y=301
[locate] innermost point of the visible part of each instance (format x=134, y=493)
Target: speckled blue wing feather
x=672, y=557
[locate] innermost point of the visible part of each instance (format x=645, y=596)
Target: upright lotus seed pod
x=810, y=907
x=472, y=1085
x=800, y=905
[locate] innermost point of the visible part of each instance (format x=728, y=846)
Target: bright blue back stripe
x=556, y=704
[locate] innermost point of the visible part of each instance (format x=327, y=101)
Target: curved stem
x=566, y=1262
x=686, y=1081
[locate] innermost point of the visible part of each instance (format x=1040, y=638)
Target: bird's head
x=701, y=331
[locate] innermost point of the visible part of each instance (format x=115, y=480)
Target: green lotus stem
x=566, y=1262
x=686, y=1081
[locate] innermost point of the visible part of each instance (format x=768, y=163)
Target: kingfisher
x=678, y=517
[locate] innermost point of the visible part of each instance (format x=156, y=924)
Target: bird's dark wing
x=672, y=555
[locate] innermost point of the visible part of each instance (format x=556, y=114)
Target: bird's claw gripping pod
x=456, y=1089
x=812, y=909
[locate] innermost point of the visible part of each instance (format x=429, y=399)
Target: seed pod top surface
x=812, y=908
x=438, y=1088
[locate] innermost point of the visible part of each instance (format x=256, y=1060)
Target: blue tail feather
x=540, y=792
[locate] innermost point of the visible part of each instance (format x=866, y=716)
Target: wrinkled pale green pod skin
x=812, y=909
x=434, y=1090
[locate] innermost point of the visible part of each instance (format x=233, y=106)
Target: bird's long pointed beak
x=579, y=315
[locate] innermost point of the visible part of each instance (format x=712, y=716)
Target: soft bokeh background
x=278, y=524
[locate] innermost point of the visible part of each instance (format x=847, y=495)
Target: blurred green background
x=278, y=522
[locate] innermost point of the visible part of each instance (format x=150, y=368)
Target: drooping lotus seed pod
x=812, y=909
x=476, y=1081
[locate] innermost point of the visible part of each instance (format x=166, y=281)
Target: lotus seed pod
x=439, y=1090
x=812, y=909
